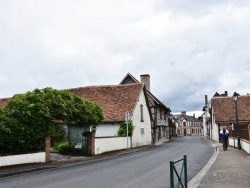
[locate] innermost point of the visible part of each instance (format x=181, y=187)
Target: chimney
x=145, y=79
x=226, y=94
x=183, y=113
x=206, y=100
x=194, y=115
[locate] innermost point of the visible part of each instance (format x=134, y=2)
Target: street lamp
x=235, y=96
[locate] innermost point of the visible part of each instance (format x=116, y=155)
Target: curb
x=3, y=175
x=72, y=162
x=68, y=163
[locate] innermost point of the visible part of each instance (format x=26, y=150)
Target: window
x=142, y=119
x=160, y=114
x=142, y=130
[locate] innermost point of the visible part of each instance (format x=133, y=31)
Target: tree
x=122, y=131
x=200, y=118
x=33, y=116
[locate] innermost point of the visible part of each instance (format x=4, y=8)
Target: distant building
x=188, y=125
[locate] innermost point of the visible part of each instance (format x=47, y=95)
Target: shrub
x=64, y=148
x=122, y=131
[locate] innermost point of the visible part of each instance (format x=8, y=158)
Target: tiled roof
x=187, y=117
x=129, y=78
x=224, y=109
x=4, y=101
x=115, y=100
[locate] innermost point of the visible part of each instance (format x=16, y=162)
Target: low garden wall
x=22, y=159
x=105, y=144
x=245, y=145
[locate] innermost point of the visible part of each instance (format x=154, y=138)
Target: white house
x=116, y=100
x=159, y=112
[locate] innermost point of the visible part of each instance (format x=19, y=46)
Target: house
x=116, y=100
x=173, y=125
x=148, y=114
x=188, y=125
x=222, y=112
x=159, y=112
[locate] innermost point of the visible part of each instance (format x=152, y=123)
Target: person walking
x=224, y=136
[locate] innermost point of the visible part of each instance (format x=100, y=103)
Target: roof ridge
x=102, y=86
x=6, y=98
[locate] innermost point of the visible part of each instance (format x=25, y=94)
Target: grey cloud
x=189, y=48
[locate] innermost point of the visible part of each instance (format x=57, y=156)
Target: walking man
x=224, y=135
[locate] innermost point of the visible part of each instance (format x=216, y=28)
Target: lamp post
x=235, y=96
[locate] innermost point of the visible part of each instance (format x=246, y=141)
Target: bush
x=122, y=131
x=65, y=148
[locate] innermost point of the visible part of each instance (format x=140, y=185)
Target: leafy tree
x=2, y=125
x=122, y=131
x=33, y=116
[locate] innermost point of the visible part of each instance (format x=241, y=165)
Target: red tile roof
x=115, y=100
x=4, y=101
x=224, y=109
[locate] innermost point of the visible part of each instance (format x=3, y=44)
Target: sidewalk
x=230, y=169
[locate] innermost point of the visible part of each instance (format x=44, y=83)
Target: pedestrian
x=224, y=136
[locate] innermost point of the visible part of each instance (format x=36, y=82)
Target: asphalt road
x=147, y=169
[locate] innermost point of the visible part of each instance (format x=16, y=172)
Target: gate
x=178, y=173
x=80, y=146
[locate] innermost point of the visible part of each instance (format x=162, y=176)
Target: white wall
x=139, y=139
x=106, y=130
x=245, y=145
x=110, y=144
x=206, y=127
x=116, y=143
x=22, y=159
x=214, y=131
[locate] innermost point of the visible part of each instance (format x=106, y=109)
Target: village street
x=148, y=168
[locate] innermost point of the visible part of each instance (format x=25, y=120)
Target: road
x=147, y=169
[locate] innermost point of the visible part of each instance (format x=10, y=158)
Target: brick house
x=222, y=112
x=159, y=112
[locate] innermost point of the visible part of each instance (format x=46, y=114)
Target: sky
x=190, y=48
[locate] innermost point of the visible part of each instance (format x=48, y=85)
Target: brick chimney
x=145, y=79
x=226, y=94
x=206, y=100
x=183, y=113
x=194, y=115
